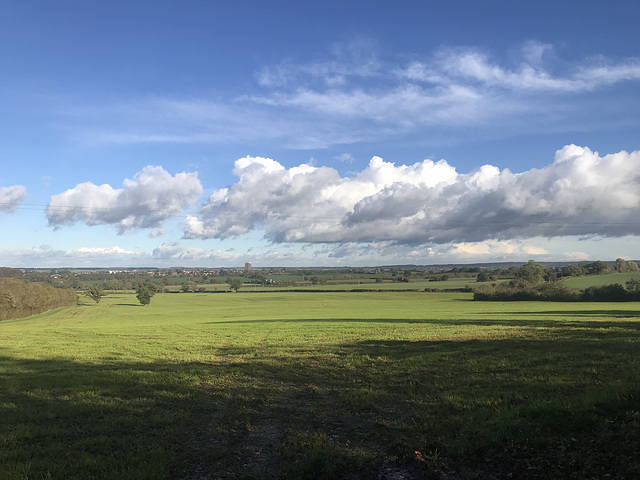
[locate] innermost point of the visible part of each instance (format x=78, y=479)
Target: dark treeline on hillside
x=6, y=272
x=557, y=292
x=21, y=299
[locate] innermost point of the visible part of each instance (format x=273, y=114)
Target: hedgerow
x=555, y=292
x=21, y=299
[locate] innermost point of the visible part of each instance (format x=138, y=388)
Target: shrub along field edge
x=558, y=292
x=22, y=299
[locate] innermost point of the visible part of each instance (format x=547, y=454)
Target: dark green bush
x=554, y=292
x=606, y=293
x=21, y=299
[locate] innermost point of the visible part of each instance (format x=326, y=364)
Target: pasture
x=599, y=280
x=321, y=385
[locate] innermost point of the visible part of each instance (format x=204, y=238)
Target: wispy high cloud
x=146, y=201
x=11, y=198
x=473, y=67
x=580, y=193
x=355, y=60
x=354, y=96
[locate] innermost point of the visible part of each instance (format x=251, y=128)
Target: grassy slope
x=308, y=385
x=593, y=280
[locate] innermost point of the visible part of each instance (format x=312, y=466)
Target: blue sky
x=318, y=133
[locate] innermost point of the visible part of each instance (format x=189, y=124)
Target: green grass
x=320, y=385
x=599, y=280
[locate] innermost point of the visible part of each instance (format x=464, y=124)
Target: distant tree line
x=558, y=292
x=6, y=272
x=535, y=272
x=21, y=299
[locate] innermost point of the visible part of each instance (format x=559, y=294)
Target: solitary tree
x=144, y=293
x=94, y=292
x=235, y=284
x=188, y=286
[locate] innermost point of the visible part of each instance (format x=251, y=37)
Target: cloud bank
x=145, y=201
x=168, y=254
x=579, y=194
x=11, y=198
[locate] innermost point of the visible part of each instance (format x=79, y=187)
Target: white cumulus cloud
x=11, y=197
x=579, y=194
x=146, y=201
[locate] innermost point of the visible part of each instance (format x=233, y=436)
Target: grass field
x=598, y=280
x=321, y=385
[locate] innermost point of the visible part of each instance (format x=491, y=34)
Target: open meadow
x=599, y=280
x=363, y=385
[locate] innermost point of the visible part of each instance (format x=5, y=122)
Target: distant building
x=247, y=266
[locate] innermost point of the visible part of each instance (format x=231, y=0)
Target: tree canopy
x=22, y=299
x=532, y=272
x=95, y=292
x=235, y=284
x=145, y=291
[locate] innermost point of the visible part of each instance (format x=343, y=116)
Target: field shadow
x=255, y=411
x=69, y=419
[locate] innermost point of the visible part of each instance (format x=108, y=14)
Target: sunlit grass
x=599, y=280
x=306, y=385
